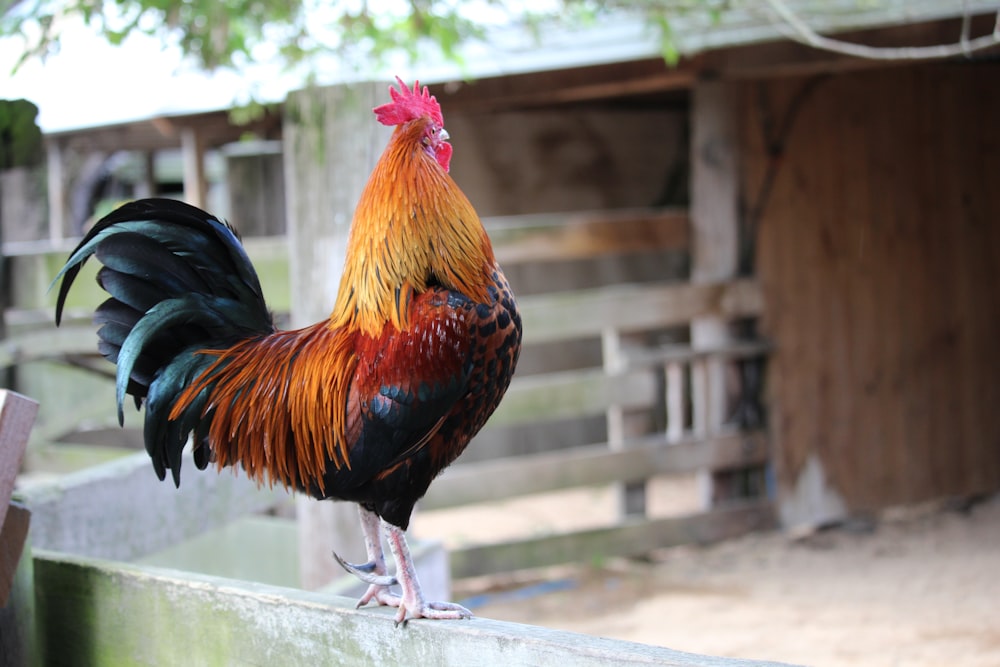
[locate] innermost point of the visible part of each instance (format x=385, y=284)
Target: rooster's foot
x=432, y=610
x=380, y=594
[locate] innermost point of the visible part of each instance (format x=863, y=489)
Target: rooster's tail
x=180, y=282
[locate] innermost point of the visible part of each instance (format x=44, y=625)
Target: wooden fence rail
x=590, y=465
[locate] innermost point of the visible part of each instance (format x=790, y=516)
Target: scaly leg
x=374, y=572
x=413, y=604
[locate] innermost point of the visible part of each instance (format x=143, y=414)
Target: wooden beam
x=592, y=465
x=582, y=84
x=585, y=313
x=147, y=187
x=6, y=298
x=215, y=127
x=629, y=538
x=715, y=229
x=47, y=344
x=670, y=354
x=331, y=145
x=18, y=644
x=570, y=394
x=17, y=415
x=550, y=237
x=56, y=187
x=13, y=536
x=193, y=154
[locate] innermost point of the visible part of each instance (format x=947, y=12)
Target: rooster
x=367, y=406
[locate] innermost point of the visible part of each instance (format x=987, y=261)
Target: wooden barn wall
x=879, y=255
x=541, y=161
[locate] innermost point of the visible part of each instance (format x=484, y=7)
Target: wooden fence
x=632, y=384
x=634, y=381
x=70, y=609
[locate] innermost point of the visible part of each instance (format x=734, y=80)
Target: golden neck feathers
x=413, y=228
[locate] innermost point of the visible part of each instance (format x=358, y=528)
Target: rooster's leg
x=374, y=572
x=413, y=604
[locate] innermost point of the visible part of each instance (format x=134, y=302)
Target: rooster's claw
x=366, y=572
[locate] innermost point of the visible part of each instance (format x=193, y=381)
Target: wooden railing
x=627, y=383
x=633, y=380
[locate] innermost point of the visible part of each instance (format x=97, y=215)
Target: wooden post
x=6, y=374
x=674, y=396
x=146, y=187
x=331, y=143
x=193, y=151
x=56, y=190
x=714, y=219
x=17, y=415
x=18, y=622
x=631, y=495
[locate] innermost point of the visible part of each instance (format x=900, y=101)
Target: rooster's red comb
x=407, y=105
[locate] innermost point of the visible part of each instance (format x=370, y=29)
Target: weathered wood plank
x=109, y=613
x=715, y=214
x=672, y=354
x=18, y=643
x=629, y=538
x=550, y=317
x=193, y=158
x=330, y=145
x=12, y=540
x=48, y=344
x=96, y=408
x=467, y=483
x=584, y=313
x=570, y=394
x=557, y=237
x=883, y=384
x=17, y=414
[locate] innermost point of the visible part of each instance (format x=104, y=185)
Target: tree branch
x=796, y=29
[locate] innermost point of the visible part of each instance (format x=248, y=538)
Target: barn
x=798, y=242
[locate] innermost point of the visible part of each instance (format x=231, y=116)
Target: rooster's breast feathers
x=406, y=382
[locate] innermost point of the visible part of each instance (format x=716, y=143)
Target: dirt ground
x=920, y=587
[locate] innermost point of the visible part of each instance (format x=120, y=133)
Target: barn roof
x=598, y=52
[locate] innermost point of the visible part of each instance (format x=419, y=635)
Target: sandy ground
x=918, y=588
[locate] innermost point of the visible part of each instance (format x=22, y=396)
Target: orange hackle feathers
x=283, y=390
x=412, y=227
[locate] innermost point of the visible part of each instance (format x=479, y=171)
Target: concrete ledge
x=265, y=549
x=90, y=611
x=119, y=510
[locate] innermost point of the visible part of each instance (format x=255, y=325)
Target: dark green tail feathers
x=180, y=282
